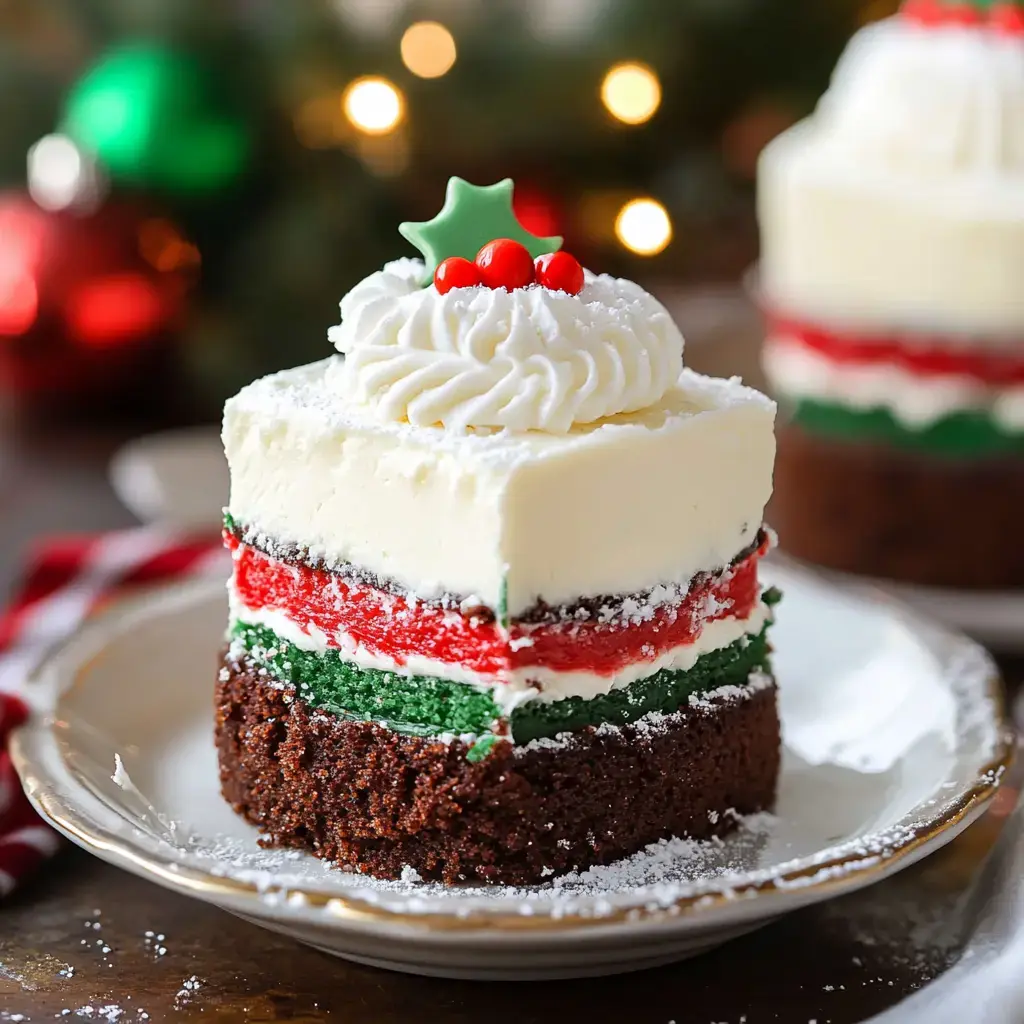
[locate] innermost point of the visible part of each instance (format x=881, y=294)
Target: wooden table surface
x=87, y=941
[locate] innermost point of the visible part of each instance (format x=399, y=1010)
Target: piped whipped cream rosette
x=495, y=609
x=528, y=359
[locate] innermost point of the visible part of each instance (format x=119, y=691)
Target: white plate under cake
x=895, y=740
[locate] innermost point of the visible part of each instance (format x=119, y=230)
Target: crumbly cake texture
x=494, y=607
x=377, y=801
x=402, y=670
x=376, y=626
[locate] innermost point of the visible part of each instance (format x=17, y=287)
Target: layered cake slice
x=495, y=610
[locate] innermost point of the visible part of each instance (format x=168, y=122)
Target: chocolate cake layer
x=375, y=801
x=880, y=511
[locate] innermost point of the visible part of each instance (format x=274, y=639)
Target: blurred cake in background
x=892, y=274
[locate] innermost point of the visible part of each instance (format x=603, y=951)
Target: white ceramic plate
x=896, y=739
x=178, y=478
x=994, y=618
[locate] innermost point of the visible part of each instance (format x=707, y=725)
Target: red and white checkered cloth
x=67, y=580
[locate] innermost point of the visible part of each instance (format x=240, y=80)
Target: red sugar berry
x=1007, y=18
x=560, y=272
x=505, y=263
x=924, y=12
x=966, y=15
x=455, y=272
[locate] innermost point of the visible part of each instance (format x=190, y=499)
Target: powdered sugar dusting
x=657, y=879
x=656, y=722
x=187, y=993
x=654, y=878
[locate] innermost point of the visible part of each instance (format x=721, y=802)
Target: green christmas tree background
x=293, y=201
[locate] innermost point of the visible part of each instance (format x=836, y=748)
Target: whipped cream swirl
x=530, y=359
x=928, y=102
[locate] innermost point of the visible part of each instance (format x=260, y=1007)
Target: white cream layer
x=619, y=507
x=519, y=686
x=900, y=202
x=917, y=401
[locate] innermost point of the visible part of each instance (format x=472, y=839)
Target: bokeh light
x=23, y=237
x=373, y=105
x=371, y=18
x=164, y=248
x=643, y=226
x=19, y=302
x=428, y=49
x=631, y=93
x=115, y=309
x=536, y=210
x=60, y=177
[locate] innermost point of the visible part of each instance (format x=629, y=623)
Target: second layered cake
x=893, y=254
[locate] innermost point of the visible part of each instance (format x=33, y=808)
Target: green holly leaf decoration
x=472, y=216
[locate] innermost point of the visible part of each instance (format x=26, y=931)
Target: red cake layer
x=923, y=356
x=388, y=624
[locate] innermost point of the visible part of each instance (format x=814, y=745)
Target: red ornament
x=560, y=272
x=87, y=300
x=456, y=272
x=1007, y=18
x=505, y=263
x=924, y=12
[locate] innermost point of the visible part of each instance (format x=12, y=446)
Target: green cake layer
x=426, y=706
x=958, y=434
x=419, y=705
x=665, y=691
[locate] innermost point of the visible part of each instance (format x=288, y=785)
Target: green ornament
x=153, y=117
x=472, y=216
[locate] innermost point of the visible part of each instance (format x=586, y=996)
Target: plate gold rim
x=839, y=874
